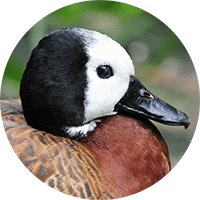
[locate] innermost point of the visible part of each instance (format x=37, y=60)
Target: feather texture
x=121, y=156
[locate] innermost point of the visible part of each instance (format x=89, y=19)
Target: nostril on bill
x=146, y=94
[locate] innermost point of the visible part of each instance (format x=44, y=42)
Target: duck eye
x=104, y=71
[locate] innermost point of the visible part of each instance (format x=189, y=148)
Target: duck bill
x=140, y=101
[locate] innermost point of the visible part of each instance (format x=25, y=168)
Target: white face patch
x=101, y=94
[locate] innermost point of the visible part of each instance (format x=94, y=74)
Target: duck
x=82, y=124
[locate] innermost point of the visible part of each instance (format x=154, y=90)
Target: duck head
x=76, y=76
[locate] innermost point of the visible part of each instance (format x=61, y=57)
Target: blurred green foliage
x=122, y=22
x=161, y=61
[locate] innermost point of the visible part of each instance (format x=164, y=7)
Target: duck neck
x=130, y=153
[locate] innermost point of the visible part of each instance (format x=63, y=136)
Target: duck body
x=122, y=156
x=75, y=127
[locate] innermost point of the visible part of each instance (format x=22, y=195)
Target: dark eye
x=104, y=71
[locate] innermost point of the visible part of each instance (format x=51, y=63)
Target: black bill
x=138, y=100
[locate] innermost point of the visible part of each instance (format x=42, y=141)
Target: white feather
x=102, y=95
x=81, y=130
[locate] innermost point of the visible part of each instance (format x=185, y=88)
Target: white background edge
x=17, y=17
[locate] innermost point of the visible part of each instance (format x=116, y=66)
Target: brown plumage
x=122, y=156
